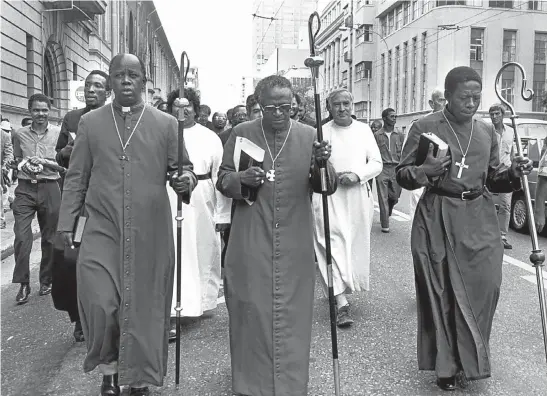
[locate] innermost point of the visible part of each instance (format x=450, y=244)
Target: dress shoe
x=447, y=384
x=45, y=289
x=78, y=332
x=172, y=335
x=385, y=230
x=506, y=245
x=139, y=391
x=343, y=318
x=23, y=294
x=110, y=387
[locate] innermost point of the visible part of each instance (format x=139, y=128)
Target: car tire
x=519, y=214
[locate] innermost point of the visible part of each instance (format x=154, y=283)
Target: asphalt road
x=377, y=354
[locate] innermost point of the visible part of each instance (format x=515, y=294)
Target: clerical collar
x=451, y=117
x=128, y=109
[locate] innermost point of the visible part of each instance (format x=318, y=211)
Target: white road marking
x=221, y=300
x=532, y=279
x=527, y=267
x=397, y=215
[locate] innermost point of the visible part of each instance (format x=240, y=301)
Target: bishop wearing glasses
x=269, y=265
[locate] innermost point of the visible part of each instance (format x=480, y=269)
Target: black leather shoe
x=447, y=384
x=78, y=332
x=45, y=289
x=110, y=387
x=506, y=245
x=343, y=318
x=139, y=391
x=23, y=294
x=172, y=335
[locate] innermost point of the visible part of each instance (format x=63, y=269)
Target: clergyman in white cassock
x=351, y=208
x=201, y=246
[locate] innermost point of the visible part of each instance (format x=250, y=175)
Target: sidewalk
x=7, y=236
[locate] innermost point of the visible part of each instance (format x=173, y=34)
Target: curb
x=8, y=250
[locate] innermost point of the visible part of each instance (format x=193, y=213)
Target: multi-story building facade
x=279, y=24
x=415, y=43
x=47, y=46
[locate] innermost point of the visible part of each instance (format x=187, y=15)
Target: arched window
x=131, y=33
x=48, y=82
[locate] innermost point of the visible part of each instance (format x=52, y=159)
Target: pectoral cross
x=270, y=175
x=461, y=165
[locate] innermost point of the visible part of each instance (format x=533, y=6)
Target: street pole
x=369, y=102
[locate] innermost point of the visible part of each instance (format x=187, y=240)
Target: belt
x=464, y=196
x=207, y=176
x=36, y=181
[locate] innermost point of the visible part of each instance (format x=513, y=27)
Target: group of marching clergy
x=123, y=176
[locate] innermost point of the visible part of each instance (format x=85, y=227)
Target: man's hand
x=540, y=221
x=222, y=227
x=68, y=238
x=182, y=184
x=253, y=177
x=521, y=166
x=36, y=160
x=434, y=167
x=349, y=178
x=321, y=151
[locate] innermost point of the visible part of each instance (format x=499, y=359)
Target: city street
x=377, y=354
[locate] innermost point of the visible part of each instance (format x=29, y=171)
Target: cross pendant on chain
x=270, y=175
x=461, y=165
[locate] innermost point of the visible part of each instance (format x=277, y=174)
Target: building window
x=477, y=49
x=509, y=55
x=414, y=72
x=426, y=6
x=131, y=33
x=540, y=74
x=537, y=5
x=363, y=70
x=364, y=34
x=399, y=18
x=445, y=3
x=345, y=46
x=415, y=10
x=383, y=81
x=362, y=109
x=405, y=76
x=390, y=23
x=383, y=26
x=389, y=71
x=406, y=13
x=501, y=4
x=424, y=69
x=397, y=76
x=74, y=71
x=48, y=80
x=345, y=78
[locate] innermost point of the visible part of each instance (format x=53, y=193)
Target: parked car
x=533, y=135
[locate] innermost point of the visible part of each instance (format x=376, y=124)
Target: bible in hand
x=440, y=148
x=246, y=155
x=79, y=230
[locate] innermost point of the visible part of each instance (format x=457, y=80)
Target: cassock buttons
x=276, y=225
x=127, y=239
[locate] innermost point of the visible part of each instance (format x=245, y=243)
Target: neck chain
x=270, y=175
x=461, y=164
x=124, y=157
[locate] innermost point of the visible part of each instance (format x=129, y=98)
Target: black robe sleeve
x=410, y=176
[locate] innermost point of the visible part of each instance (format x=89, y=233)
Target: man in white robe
x=207, y=215
x=351, y=207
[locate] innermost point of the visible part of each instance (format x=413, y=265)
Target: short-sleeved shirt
x=542, y=168
x=505, y=141
x=28, y=143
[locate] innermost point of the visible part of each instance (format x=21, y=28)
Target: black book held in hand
x=248, y=154
x=79, y=230
x=440, y=148
x=246, y=162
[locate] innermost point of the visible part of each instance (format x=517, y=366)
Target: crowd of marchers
x=253, y=222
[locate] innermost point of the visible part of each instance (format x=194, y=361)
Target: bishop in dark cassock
x=456, y=244
x=270, y=269
x=123, y=155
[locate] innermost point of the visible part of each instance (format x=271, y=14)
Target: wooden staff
x=537, y=257
x=313, y=62
x=183, y=73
